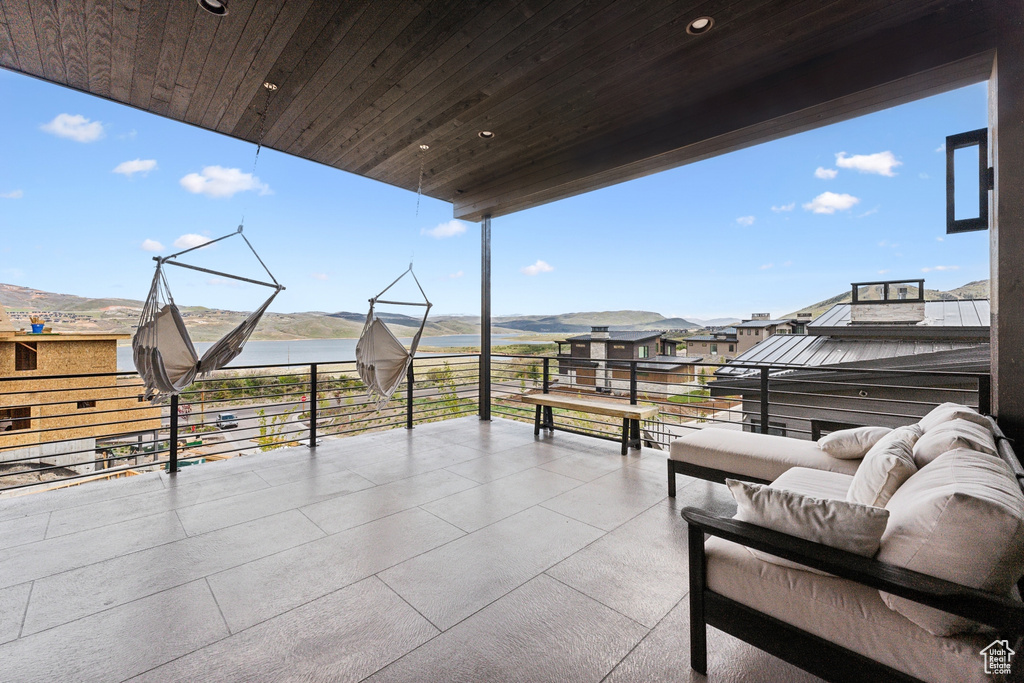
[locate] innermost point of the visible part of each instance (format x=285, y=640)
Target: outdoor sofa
x=908, y=569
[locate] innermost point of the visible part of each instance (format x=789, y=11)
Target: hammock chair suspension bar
x=227, y=275
x=401, y=303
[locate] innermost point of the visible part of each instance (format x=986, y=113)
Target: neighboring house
x=58, y=421
x=761, y=326
x=601, y=360
x=714, y=344
x=898, y=334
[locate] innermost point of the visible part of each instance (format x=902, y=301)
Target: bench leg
x=536, y=422
x=634, y=436
x=625, y=435
x=671, y=480
x=549, y=418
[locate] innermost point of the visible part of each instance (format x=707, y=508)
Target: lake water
x=311, y=350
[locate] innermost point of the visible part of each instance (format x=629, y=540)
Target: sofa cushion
x=851, y=444
x=837, y=523
x=814, y=483
x=960, y=518
x=952, y=411
x=888, y=464
x=842, y=612
x=951, y=435
x=761, y=456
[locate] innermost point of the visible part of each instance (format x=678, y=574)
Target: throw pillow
x=888, y=464
x=951, y=435
x=952, y=411
x=851, y=444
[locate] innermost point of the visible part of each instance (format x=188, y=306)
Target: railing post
x=410, y=378
x=764, y=400
x=632, y=383
x=172, y=466
x=985, y=394
x=484, y=392
x=547, y=375
x=312, y=405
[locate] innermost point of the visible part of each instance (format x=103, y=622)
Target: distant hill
x=972, y=290
x=70, y=313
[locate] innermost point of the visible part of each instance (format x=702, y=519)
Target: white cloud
x=830, y=202
x=887, y=243
x=868, y=212
x=881, y=163
x=13, y=194
x=151, y=245
x=130, y=168
x=940, y=239
x=452, y=228
x=825, y=173
x=74, y=127
x=189, y=240
x=883, y=271
x=941, y=148
x=923, y=176
x=767, y=266
x=745, y=220
x=456, y=276
x=787, y=264
x=537, y=268
x=784, y=207
x=319, y=276
x=220, y=182
x=130, y=135
x=928, y=270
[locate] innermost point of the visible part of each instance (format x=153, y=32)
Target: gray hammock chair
x=163, y=351
x=381, y=359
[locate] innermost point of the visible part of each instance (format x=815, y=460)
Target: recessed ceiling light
x=424, y=148
x=270, y=86
x=486, y=134
x=218, y=7
x=700, y=25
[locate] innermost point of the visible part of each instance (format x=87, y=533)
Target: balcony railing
x=63, y=429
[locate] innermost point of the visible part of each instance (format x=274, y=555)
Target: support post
x=698, y=579
x=547, y=375
x=632, y=383
x=1006, y=234
x=172, y=466
x=485, y=319
x=985, y=394
x=410, y=380
x=764, y=400
x=312, y=405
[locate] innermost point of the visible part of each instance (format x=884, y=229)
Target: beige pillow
x=851, y=444
x=961, y=518
x=888, y=464
x=952, y=411
x=836, y=523
x=951, y=435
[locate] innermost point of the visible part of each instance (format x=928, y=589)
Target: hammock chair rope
x=381, y=359
x=164, y=354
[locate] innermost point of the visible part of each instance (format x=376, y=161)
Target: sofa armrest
x=990, y=609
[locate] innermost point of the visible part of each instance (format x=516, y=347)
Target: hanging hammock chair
x=164, y=354
x=381, y=359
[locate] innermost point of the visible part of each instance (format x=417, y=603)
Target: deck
x=459, y=551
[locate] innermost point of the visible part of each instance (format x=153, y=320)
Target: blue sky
x=771, y=228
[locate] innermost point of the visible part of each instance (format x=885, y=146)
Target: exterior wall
x=703, y=348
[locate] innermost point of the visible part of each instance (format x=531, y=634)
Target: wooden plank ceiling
x=578, y=93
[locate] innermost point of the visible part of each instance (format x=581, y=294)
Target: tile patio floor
x=460, y=551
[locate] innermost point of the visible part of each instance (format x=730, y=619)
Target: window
x=13, y=419
x=86, y=404
x=714, y=348
x=643, y=352
x=731, y=347
x=25, y=356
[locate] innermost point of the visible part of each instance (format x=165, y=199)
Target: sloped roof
x=764, y=323
x=622, y=335
x=957, y=313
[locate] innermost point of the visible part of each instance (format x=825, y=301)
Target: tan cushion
x=844, y=613
x=888, y=464
x=762, y=456
x=837, y=523
x=814, y=483
x=951, y=435
x=960, y=518
x=851, y=444
x=952, y=411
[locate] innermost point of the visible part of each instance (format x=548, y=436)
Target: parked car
x=227, y=421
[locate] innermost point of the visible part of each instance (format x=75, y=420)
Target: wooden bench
x=630, y=414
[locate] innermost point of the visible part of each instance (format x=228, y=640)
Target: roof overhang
x=578, y=95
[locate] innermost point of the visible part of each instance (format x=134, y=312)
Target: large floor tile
x=218, y=514
x=664, y=655
x=119, y=643
x=590, y=465
x=639, y=569
x=262, y=589
x=70, y=595
x=13, y=601
x=21, y=530
x=344, y=636
x=610, y=500
x=403, y=467
x=449, y=583
x=102, y=513
x=345, y=512
x=492, y=466
x=34, y=503
x=477, y=507
x=54, y=555
x=543, y=631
